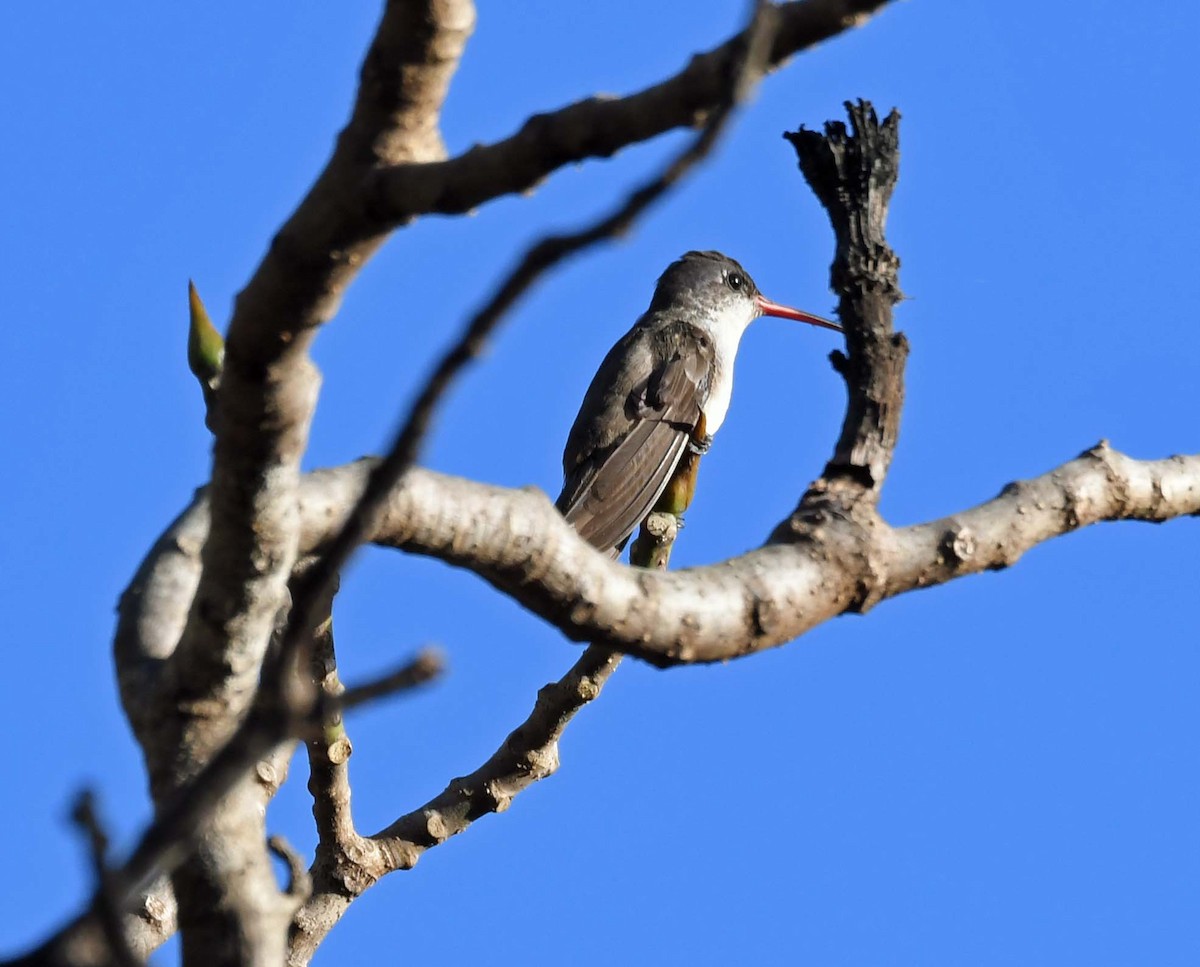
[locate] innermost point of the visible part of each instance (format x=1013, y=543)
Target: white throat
x=726, y=334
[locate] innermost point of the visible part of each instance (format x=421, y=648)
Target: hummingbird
x=659, y=397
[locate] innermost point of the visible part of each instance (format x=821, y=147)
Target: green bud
x=206, y=348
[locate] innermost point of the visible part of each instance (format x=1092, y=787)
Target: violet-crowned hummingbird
x=658, y=398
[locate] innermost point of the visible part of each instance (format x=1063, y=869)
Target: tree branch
x=1100, y=484
x=268, y=386
x=347, y=864
x=530, y=753
x=519, y=543
x=82, y=942
x=108, y=909
x=426, y=666
x=338, y=866
x=261, y=420
x=230, y=907
x=853, y=174
x=599, y=127
x=329, y=751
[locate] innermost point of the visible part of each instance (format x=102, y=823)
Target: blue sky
x=999, y=771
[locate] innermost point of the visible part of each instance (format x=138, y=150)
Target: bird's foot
x=700, y=447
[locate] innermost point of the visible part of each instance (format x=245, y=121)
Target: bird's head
x=715, y=289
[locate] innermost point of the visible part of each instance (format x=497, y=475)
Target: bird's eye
x=735, y=281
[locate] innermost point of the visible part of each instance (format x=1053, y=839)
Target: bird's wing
x=610, y=491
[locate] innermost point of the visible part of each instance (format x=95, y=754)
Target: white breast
x=725, y=344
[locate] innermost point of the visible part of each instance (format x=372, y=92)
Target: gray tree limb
x=518, y=542
x=230, y=908
x=599, y=127
x=263, y=730
x=530, y=753
x=82, y=943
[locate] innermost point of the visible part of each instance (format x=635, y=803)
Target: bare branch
x=155, y=918
x=518, y=541
x=268, y=386
x=338, y=866
x=652, y=549
x=600, y=127
x=107, y=906
x=83, y=944
x=281, y=713
x=329, y=751
x=1100, y=484
x=709, y=613
x=753, y=602
x=299, y=886
x=345, y=862
x=267, y=395
x=853, y=174
x=772, y=595
x=229, y=902
x=425, y=667
x=403, y=83
x=530, y=753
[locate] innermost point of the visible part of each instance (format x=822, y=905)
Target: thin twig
x=299, y=885
x=106, y=904
x=329, y=750
x=527, y=755
x=425, y=667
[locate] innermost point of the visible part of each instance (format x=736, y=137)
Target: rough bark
x=853, y=173
x=230, y=909
x=599, y=127
x=517, y=541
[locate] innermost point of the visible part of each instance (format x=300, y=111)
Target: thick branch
x=268, y=385
x=774, y=594
x=520, y=543
x=1101, y=484
x=853, y=174
x=230, y=910
x=599, y=127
